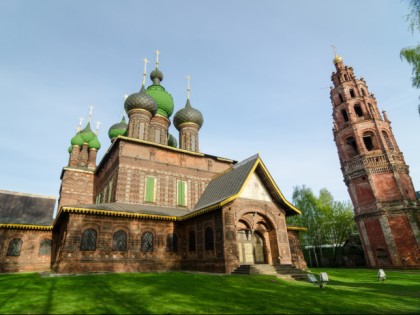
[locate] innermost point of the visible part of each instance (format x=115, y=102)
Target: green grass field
x=350, y=291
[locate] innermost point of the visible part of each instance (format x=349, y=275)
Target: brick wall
x=30, y=258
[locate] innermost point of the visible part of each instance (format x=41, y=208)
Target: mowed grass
x=350, y=291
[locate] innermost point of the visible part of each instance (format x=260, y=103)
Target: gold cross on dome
x=145, y=60
x=157, y=58
x=335, y=50
x=188, y=86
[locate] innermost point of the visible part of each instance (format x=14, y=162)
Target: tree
x=329, y=222
x=412, y=54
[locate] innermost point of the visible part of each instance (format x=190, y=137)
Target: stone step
x=287, y=272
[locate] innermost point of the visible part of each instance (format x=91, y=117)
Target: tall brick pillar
x=376, y=175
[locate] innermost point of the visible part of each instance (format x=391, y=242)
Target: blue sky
x=260, y=75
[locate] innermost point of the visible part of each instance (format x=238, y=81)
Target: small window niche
x=345, y=116
x=358, y=110
x=369, y=141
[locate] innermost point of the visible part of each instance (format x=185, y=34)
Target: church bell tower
x=386, y=209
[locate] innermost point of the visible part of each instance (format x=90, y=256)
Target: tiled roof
x=135, y=208
x=227, y=184
x=20, y=208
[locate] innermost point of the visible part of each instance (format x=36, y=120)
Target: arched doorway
x=250, y=247
x=255, y=237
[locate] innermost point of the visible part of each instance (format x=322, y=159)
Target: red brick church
x=386, y=208
x=149, y=204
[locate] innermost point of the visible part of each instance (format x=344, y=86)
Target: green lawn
x=350, y=291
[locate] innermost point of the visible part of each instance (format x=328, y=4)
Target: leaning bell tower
x=386, y=209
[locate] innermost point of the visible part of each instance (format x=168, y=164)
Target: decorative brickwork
x=375, y=173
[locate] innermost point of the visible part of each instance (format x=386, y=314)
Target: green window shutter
x=181, y=193
x=150, y=189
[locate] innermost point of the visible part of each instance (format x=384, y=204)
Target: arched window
x=388, y=141
x=119, y=241
x=147, y=242
x=358, y=110
x=45, y=247
x=352, y=93
x=341, y=98
x=352, y=145
x=209, y=239
x=88, y=241
x=191, y=241
x=363, y=92
x=172, y=243
x=369, y=140
x=345, y=116
x=15, y=247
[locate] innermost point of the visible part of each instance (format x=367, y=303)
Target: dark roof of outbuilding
x=27, y=209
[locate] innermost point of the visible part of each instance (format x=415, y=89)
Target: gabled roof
x=228, y=186
x=25, y=209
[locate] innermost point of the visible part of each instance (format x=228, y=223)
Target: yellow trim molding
x=26, y=227
x=297, y=228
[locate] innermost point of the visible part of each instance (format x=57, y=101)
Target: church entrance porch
x=256, y=239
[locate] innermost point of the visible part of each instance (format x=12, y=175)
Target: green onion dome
x=172, y=141
x=164, y=100
x=87, y=134
x=118, y=129
x=70, y=149
x=94, y=144
x=140, y=100
x=77, y=139
x=188, y=114
x=90, y=137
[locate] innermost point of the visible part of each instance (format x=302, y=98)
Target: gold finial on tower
x=157, y=58
x=337, y=58
x=188, y=86
x=145, y=60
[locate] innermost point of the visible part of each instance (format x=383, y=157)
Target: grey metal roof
x=20, y=208
x=134, y=208
x=227, y=184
